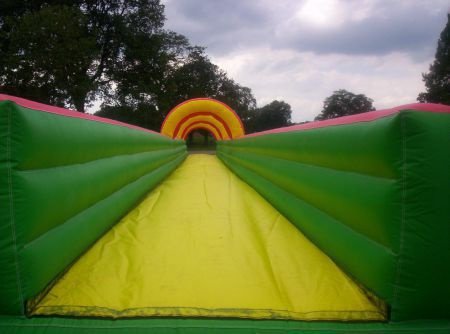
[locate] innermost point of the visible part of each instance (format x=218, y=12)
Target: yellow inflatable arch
x=202, y=113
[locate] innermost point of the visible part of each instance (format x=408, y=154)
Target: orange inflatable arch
x=203, y=113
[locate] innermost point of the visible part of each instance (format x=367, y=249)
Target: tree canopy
x=437, y=80
x=72, y=53
x=193, y=76
x=75, y=53
x=273, y=115
x=343, y=103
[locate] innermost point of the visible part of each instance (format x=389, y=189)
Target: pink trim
x=202, y=99
x=67, y=112
x=364, y=117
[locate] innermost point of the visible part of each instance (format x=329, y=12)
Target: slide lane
x=205, y=244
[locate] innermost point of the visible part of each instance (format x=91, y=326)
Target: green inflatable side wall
x=63, y=182
x=374, y=196
x=54, y=325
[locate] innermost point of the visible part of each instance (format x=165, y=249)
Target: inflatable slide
x=326, y=227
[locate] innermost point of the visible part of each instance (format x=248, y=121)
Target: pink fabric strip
x=67, y=112
x=364, y=117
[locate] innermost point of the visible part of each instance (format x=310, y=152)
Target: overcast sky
x=300, y=51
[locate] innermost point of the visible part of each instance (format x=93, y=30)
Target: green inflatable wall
x=64, y=181
x=374, y=195
x=372, y=192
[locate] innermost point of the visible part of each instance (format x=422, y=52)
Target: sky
x=301, y=51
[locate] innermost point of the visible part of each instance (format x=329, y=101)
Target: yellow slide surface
x=205, y=244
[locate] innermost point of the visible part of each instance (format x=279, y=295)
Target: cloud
x=305, y=79
x=364, y=27
x=219, y=25
x=321, y=26
x=302, y=50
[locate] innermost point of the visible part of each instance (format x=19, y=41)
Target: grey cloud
x=225, y=26
x=413, y=29
x=264, y=46
x=221, y=26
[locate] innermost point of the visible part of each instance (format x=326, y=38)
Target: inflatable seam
x=11, y=207
x=95, y=203
x=351, y=230
x=358, y=173
x=319, y=209
x=403, y=211
x=267, y=132
x=358, y=118
x=164, y=160
x=249, y=149
x=140, y=312
x=49, y=109
x=163, y=171
x=94, y=160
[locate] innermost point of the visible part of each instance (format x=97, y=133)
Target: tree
x=47, y=56
x=273, y=115
x=193, y=76
x=437, y=80
x=196, y=76
x=343, y=103
x=239, y=98
x=143, y=115
x=71, y=52
x=190, y=74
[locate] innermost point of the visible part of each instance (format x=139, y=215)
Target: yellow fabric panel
x=203, y=108
x=206, y=244
x=204, y=120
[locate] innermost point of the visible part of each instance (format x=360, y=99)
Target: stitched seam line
x=378, y=244
x=174, y=150
x=11, y=208
x=87, y=309
x=154, y=171
x=244, y=149
x=403, y=209
x=294, y=326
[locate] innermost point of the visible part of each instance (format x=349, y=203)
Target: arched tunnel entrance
x=201, y=122
x=201, y=139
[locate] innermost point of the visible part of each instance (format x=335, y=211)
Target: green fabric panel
x=11, y=298
x=70, y=239
x=65, y=181
x=209, y=326
x=367, y=204
x=82, y=185
x=371, y=148
x=47, y=140
x=422, y=288
x=371, y=263
x=416, y=213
